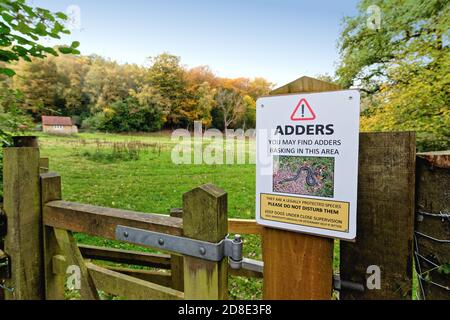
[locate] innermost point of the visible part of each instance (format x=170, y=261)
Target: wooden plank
x=237, y=226
x=44, y=165
x=161, y=261
x=205, y=218
x=162, y=278
x=305, y=84
x=440, y=159
x=102, y=222
x=54, y=282
x=2, y=247
x=385, y=217
x=244, y=226
x=433, y=196
x=129, y=287
x=176, y=263
x=23, y=242
x=298, y=266
x=73, y=256
x=59, y=265
x=245, y=273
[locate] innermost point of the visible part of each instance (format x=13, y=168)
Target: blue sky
x=279, y=40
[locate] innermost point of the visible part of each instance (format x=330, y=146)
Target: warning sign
x=303, y=112
x=323, y=214
x=307, y=162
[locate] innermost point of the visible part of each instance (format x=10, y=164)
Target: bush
x=126, y=116
x=94, y=122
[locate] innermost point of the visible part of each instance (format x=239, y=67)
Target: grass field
x=136, y=173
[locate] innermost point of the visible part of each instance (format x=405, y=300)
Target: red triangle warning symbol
x=303, y=112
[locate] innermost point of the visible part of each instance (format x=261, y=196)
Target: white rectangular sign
x=307, y=162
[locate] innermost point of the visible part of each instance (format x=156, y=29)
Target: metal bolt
x=161, y=242
x=125, y=234
x=237, y=238
x=262, y=106
x=350, y=98
x=202, y=251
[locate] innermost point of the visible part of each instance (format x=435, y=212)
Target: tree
x=204, y=103
x=22, y=26
x=40, y=86
x=72, y=71
x=231, y=104
x=167, y=77
x=403, y=68
x=107, y=82
x=127, y=116
x=409, y=31
x=259, y=87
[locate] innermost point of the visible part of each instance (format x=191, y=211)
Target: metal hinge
x=231, y=248
x=5, y=266
x=339, y=284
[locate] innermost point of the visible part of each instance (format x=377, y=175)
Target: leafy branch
x=21, y=26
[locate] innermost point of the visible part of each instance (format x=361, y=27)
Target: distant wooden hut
x=61, y=125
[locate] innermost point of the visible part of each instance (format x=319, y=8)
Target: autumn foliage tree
x=100, y=94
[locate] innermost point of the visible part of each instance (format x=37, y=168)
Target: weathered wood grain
x=244, y=226
x=236, y=226
x=176, y=261
x=44, y=165
x=205, y=218
x=305, y=85
x=69, y=248
x=102, y=222
x=23, y=242
x=433, y=196
x=385, y=217
x=54, y=282
x=162, y=278
x=130, y=287
x=153, y=260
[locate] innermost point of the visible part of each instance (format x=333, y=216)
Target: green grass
x=95, y=170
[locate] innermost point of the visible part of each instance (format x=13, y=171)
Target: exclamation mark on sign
x=303, y=110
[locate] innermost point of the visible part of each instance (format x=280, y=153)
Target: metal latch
x=231, y=248
x=5, y=266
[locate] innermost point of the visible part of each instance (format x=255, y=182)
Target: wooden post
x=433, y=198
x=44, y=164
x=61, y=244
x=205, y=218
x=176, y=261
x=2, y=247
x=298, y=266
x=54, y=281
x=385, y=218
x=23, y=242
